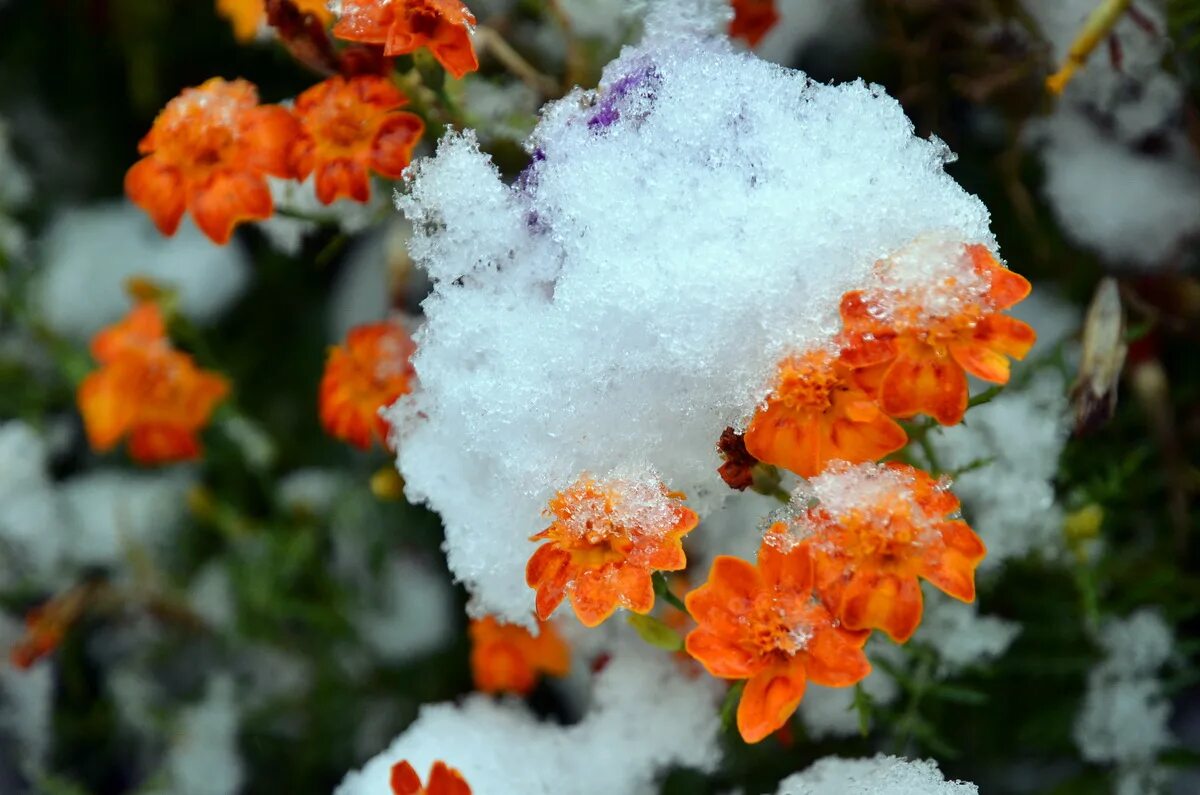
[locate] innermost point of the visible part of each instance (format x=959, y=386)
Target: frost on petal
x=881, y=775
x=589, y=318
x=645, y=719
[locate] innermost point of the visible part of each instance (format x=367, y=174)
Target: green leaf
x=656, y=633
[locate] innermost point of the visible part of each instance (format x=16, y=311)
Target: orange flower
x=248, y=16
x=508, y=658
x=876, y=529
x=816, y=414
x=752, y=19
x=366, y=374
x=208, y=152
x=147, y=390
x=606, y=540
x=443, y=780
x=402, y=26
x=916, y=357
x=761, y=623
x=351, y=127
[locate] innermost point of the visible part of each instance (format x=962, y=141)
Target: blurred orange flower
x=508, y=658
x=816, y=414
x=368, y=373
x=46, y=625
x=916, y=360
x=761, y=623
x=606, y=540
x=403, y=26
x=868, y=557
x=209, y=151
x=443, y=780
x=752, y=20
x=248, y=16
x=147, y=390
x=351, y=127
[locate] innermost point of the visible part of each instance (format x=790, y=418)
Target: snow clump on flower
x=645, y=718
x=679, y=231
x=881, y=775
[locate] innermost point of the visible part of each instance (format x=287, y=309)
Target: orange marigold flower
x=352, y=127
x=914, y=344
x=605, y=541
x=507, y=658
x=752, y=20
x=209, y=152
x=443, y=780
x=403, y=26
x=366, y=374
x=874, y=530
x=147, y=390
x=816, y=414
x=761, y=623
x=248, y=16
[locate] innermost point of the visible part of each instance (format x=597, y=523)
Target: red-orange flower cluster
x=869, y=554
x=604, y=543
x=350, y=127
x=752, y=20
x=761, y=623
x=815, y=414
x=506, y=658
x=443, y=780
x=209, y=152
x=403, y=26
x=916, y=360
x=367, y=373
x=147, y=390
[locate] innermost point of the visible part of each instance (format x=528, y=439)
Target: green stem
x=663, y=590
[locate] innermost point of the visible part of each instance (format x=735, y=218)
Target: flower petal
x=404, y=779
x=342, y=177
x=933, y=385
x=158, y=190
x=981, y=361
x=786, y=438
x=888, y=602
x=445, y=780
x=162, y=444
x=834, y=657
x=770, y=698
x=393, y=147
x=228, y=200
x=721, y=656
x=1006, y=335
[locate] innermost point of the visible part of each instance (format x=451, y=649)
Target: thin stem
x=491, y=40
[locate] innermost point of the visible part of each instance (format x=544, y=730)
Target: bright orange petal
x=445, y=780
x=792, y=570
x=158, y=190
x=1006, y=335
x=106, y=408
x=721, y=656
x=595, y=596
x=636, y=589
x=342, y=177
x=393, y=147
x=730, y=581
x=786, y=438
x=227, y=201
x=931, y=385
x=163, y=444
x=981, y=361
x=770, y=698
x=834, y=657
x=268, y=133
x=1007, y=288
x=862, y=440
x=888, y=602
x=404, y=779
x=452, y=47
x=953, y=570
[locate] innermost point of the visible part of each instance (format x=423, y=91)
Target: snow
x=881, y=775
x=645, y=717
x=630, y=296
x=88, y=253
